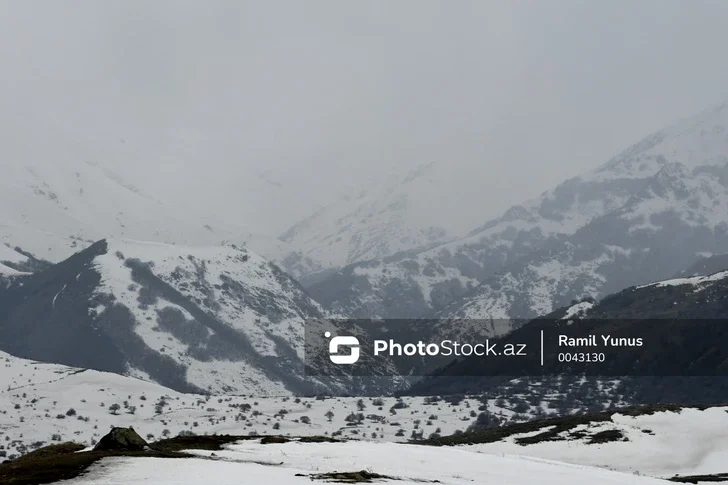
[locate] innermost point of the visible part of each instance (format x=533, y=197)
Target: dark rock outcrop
x=122, y=439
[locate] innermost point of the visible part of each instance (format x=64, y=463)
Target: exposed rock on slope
x=121, y=439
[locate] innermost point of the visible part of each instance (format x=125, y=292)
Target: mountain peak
x=694, y=141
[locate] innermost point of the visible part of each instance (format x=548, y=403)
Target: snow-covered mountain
x=207, y=319
x=644, y=215
x=63, y=186
x=678, y=215
x=401, y=211
x=53, y=210
x=699, y=296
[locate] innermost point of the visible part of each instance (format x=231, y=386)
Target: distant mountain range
x=648, y=213
x=52, y=211
x=95, y=273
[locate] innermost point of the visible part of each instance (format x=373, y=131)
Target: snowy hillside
x=214, y=319
x=690, y=297
x=38, y=408
x=11, y=261
x=62, y=188
x=645, y=215
x=53, y=210
x=417, y=209
x=685, y=442
x=39, y=411
x=682, y=318
x=675, y=217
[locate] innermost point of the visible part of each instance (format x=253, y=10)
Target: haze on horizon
x=317, y=97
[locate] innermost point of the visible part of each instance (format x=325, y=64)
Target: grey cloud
x=516, y=94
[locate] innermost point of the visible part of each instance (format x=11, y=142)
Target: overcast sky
x=517, y=95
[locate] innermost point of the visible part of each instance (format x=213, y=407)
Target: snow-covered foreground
x=291, y=463
x=44, y=403
x=664, y=444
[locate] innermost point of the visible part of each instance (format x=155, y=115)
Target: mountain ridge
x=593, y=226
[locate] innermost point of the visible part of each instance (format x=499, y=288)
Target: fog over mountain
x=265, y=112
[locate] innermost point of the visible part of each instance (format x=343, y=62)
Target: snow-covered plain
x=292, y=463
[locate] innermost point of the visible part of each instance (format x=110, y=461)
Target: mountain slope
x=681, y=322
x=389, y=215
x=11, y=261
x=39, y=408
x=194, y=319
x=52, y=211
x=665, y=334
x=694, y=297
x=644, y=215
x=678, y=214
